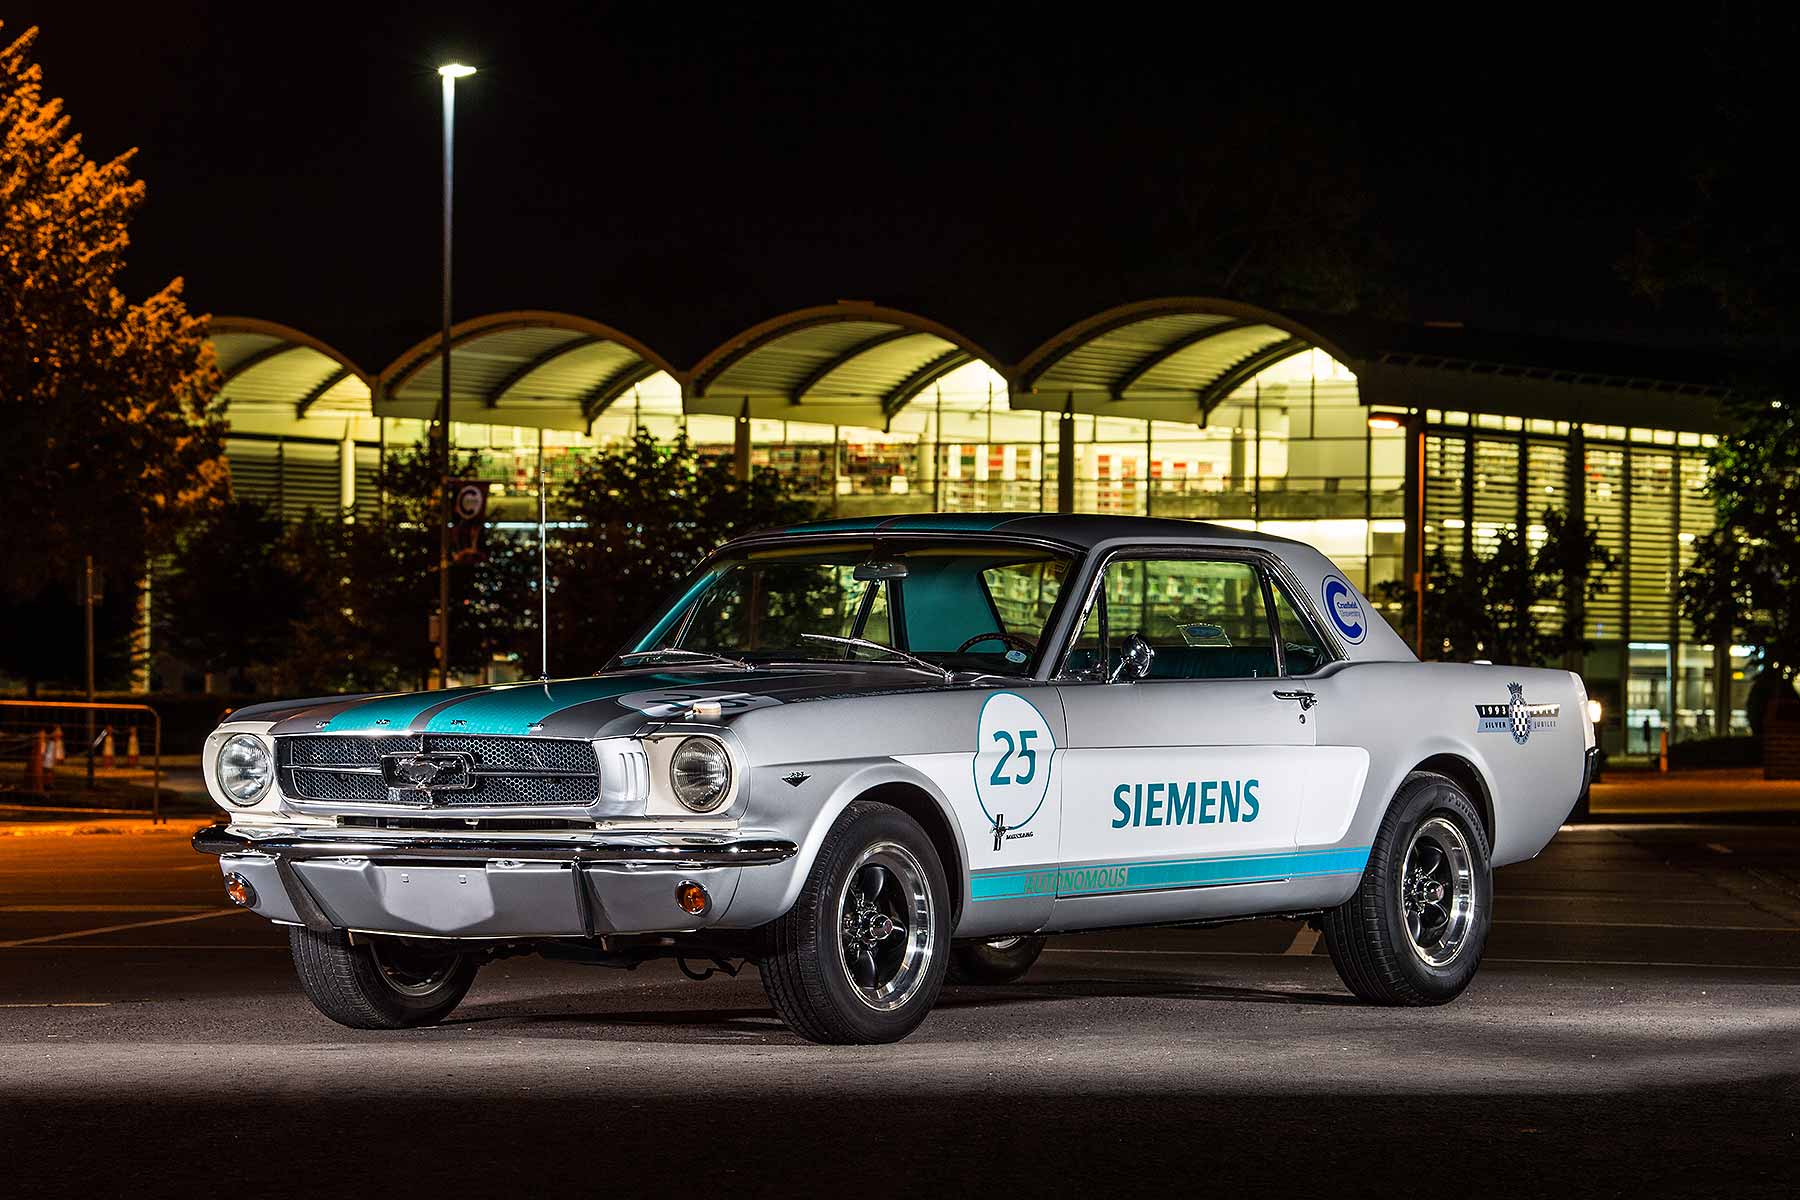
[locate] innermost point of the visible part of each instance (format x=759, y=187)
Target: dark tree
x=375, y=582
x=45, y=641
x=1517, y=604
x=1744, y=584
x=647, y=513
x=231, y=595
x=112, y=439
x=1273, y=206
x=113, y=436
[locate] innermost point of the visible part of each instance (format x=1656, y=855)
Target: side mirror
x=1135, y=657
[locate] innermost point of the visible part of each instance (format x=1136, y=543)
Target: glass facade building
x=1178, y=409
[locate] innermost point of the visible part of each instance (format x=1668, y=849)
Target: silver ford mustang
x=872, y=755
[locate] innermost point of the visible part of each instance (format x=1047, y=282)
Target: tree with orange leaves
x=112, y=432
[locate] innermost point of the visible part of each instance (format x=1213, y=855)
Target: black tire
x=1372, y=946
x=1004, y=960
x=399, y=984
x=806, y=968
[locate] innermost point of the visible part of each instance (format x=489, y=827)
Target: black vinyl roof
x=1080, y=530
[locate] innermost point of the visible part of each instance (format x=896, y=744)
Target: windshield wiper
x=675, y=652
x=866, y=644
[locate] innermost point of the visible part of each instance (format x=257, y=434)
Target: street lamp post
x=449, y=73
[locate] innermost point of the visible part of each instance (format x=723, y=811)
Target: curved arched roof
x=1170, y=359
x=544, y=370
x=278, y=371
x=848, y=363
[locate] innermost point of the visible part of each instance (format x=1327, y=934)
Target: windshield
x=976, y=606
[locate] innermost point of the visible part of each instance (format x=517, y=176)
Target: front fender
x=807, y=816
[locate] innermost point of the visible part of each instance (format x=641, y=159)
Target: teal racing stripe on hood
x=393, y=713
x=512, y=710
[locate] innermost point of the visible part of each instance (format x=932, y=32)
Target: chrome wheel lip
x=1438, y=904
x=908, y=907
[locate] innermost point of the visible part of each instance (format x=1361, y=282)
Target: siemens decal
x=1197, y=802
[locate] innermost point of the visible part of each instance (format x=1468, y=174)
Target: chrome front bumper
x=582, y=885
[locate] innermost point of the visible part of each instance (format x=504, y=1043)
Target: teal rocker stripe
x=1100, y=879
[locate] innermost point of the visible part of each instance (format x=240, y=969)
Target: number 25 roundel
x=1012, y=759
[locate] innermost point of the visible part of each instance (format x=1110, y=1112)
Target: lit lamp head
x=456, y=71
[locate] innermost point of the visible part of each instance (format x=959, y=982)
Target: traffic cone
x=34, y=764
x=131, y=747
x=107, y=759
x=56, y=745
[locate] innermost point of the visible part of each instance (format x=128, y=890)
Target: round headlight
x=245, y=769
x=700, y=773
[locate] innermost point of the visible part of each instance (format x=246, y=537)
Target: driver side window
x=1204, y=618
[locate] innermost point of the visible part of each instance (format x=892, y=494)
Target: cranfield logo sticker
x=1344, y=610
x=1013, y=745
x=1517, y=716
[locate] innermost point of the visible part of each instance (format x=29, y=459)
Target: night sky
x=681, y=171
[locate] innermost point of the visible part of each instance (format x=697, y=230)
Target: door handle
x=1304, y=698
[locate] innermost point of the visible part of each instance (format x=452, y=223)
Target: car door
x=1206, y=772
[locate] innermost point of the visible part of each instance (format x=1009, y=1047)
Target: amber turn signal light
x=239, y=891
x=692, y=898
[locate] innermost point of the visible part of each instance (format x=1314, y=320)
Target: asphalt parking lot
x=1635, y=1029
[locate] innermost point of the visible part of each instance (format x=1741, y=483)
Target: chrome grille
x=510, y=772
x=315, y=784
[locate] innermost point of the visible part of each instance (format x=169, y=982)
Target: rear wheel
x=1002, y=960
x=1414, y=932
x=860, y=957
x=380, y=983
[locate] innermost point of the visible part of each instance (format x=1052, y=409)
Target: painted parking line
x=81, y=933
x=140, y=947
x=1594, y=898
x=1718, y=847
x=1655, y=925
x=64, y=1004
x=1486, y=958
x=106, y=908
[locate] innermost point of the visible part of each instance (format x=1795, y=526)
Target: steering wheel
x=1000, y=635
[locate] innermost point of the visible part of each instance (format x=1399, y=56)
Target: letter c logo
x=1345, y=610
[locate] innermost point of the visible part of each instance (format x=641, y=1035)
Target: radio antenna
x=543, y=563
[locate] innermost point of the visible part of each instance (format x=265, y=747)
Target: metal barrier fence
x=44, y=735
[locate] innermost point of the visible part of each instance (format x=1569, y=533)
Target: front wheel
x=1414, y=931
x=380, y=983
x=860, y=957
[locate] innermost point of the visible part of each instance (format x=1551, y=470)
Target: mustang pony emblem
x=429, y=771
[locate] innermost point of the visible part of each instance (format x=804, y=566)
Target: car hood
x=613, y=703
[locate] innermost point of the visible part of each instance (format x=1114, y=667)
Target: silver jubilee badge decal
x=1517, y=716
